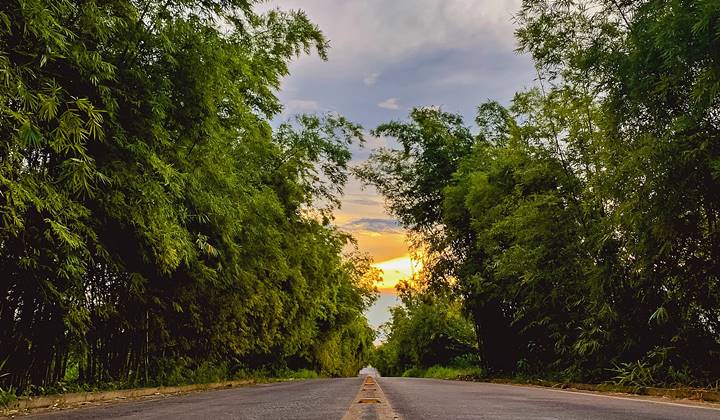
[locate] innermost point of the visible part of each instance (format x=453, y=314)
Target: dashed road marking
x=370, y=402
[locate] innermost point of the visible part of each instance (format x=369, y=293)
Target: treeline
x=152, y=223
x=427, y=330
x=579, y=224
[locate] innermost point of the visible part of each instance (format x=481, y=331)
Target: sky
x=386, y=57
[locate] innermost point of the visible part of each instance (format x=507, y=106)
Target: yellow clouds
x=397, y=269
x=377, y=234
x=382, y=246
x=387, y=244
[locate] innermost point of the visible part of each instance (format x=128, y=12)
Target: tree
x=428, y=330
x=150, y=215
x=579, y=225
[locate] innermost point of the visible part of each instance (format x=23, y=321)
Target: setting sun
x=397, y=269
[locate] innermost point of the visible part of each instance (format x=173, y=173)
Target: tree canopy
x=149, y=213
x=578, y=224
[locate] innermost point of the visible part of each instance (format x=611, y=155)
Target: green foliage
x=637, y=375
x=444, y=372
x=426, y=331
x=298, y=374
x=183, y=371
x=7, y=396
x=153, y=227
x=579, y=224
x=654, y=368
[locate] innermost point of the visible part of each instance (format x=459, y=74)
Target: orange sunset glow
x=377, y=234
x=397, y=269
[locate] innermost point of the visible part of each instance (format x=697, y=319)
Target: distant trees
x=149, y=213
x=427, y=330
x=579, y=225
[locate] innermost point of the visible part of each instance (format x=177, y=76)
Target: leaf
x=660, y=316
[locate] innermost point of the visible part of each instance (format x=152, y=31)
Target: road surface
x=414, y=398
x=320, y=399
x=410, y=399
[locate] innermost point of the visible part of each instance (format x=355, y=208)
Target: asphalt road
x=410, y=398
x=320, y=399
x=414, y=398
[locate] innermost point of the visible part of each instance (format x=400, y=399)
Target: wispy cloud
x=373, y=225
x=294, y=106
x=390, y=103
x=452, y=52
x=371, y=79
x=363, y=202
x=462, y=78
x=400, y=28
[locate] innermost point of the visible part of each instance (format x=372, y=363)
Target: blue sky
x=388, y=56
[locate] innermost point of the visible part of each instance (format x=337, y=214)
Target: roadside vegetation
x=577, y=226
x=445, y=372
x=154, y=228
x=426, y=331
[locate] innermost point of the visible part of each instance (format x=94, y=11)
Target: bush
x=6, y=397
x=428, y=331
x=442, y=372
x=414, y=373
x=298, y=374
x=445, y=372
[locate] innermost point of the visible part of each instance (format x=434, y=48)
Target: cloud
x=390, y=103
x=294, y=106
x=390, y=30
x=373, y=225
x=371, y=79
x=397, y=269
x=362, y=202
x=463, y=78
x=450, y=53
x=455, y=53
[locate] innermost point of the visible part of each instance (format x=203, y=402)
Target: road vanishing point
x=366, y=397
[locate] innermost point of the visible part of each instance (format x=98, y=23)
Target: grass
x=298, y=374
x=446, y=372
x=7, y=397
x=169, y=375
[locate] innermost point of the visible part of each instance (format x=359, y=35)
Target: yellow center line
x=370, y=399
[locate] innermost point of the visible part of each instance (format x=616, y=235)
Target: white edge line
x=639, y=398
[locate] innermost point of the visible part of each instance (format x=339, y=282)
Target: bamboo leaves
x=581, y=227
x=150, y=216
